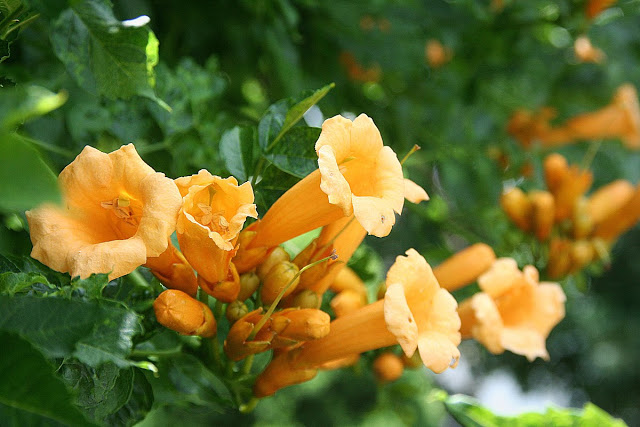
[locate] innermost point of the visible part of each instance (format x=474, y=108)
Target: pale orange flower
x=415, y=313
x=357, y=175
x=173, y=271
x=513, y=312
x=117, y=212
x=413, y=192
x=213, y=213
x=585, y=52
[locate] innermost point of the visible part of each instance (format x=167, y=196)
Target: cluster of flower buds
x=579, y=229
x=618, y=120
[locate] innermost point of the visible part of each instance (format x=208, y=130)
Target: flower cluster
x=579, y=229
x=618, y=120
x=119, y=214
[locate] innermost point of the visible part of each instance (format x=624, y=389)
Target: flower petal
x=526, y=342
x=413, y=192
x=438, y=352
x=399, y=319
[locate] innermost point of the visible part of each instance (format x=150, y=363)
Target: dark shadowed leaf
x=29, y=390
x=236, y=149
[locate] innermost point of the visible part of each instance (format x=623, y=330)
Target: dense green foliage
x=225, y=88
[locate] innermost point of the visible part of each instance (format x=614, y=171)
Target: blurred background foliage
x=223, y=64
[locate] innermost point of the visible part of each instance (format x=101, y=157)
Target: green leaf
x=295, y=154
x=284, y=114
x=468, y=412
x=30, y=387
x=93, y=331
x=236, y=148
x=5, y=52
x=19, y=104
x=108, y=395
x=104, y=55
x=25, y=179
x=183, y=380
x=13, y=283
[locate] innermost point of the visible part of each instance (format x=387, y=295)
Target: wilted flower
x=117, y=213
x=513, y=312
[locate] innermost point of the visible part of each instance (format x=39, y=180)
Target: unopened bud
x=543, y=207
x=235, y=311
x=304, y=257
x=518, y=208
x=608, y=199
x=179, y=312
x=304, y=324
x=305, y=299
x=388, y=367
x=582, y=222
x=555, y=171
x=249, y=282
x=247, y=259
x=276, y=255
x=346, y=302
x=226, y=290
x=582, y=253
x=559, y=258
x=280, y=276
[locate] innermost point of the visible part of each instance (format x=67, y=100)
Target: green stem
x=415, y=148
x=257, y=171
x=157, y=353
x=590, y=154
x=275, y=303
x=217, y=310
x=249, y=406
x=248, y=362
x=20, y=24
x=137, y=278
x=48, y=147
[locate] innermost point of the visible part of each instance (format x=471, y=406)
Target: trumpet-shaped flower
x=213, y=213
x=117, y=212
x=464, y=267
x=357, y=175
x=513, y=312
x=173, y=271
x=415, y=313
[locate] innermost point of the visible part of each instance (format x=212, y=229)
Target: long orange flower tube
x=117, y=212
x=357, y=175
x=513, y=312
x=464, y=267
x=415, y=313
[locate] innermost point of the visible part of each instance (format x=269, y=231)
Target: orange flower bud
x=574, y=185
x=543, y=213
x=173, y=271
x=517, y=207
x=348, y=279
x=464, y=267
x=346, y=302
x=608, y=199
x=582, y=221
x=555, y=171
x=236, y=346
x=179, y=312
x=247, y=259
x=559, y=258
x=436, y=54
x=582, y=253
x=249, y=282
x=275, y=256
x=595, y=7
x=235, y=311
x=281, y=372
x=388, y=367
x=225, y=290
x=621, y=220
x=305, y=299
x=279, y=276
x=304, y=324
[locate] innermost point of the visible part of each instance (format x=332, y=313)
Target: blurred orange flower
x=513, y=312
x=117, y=212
